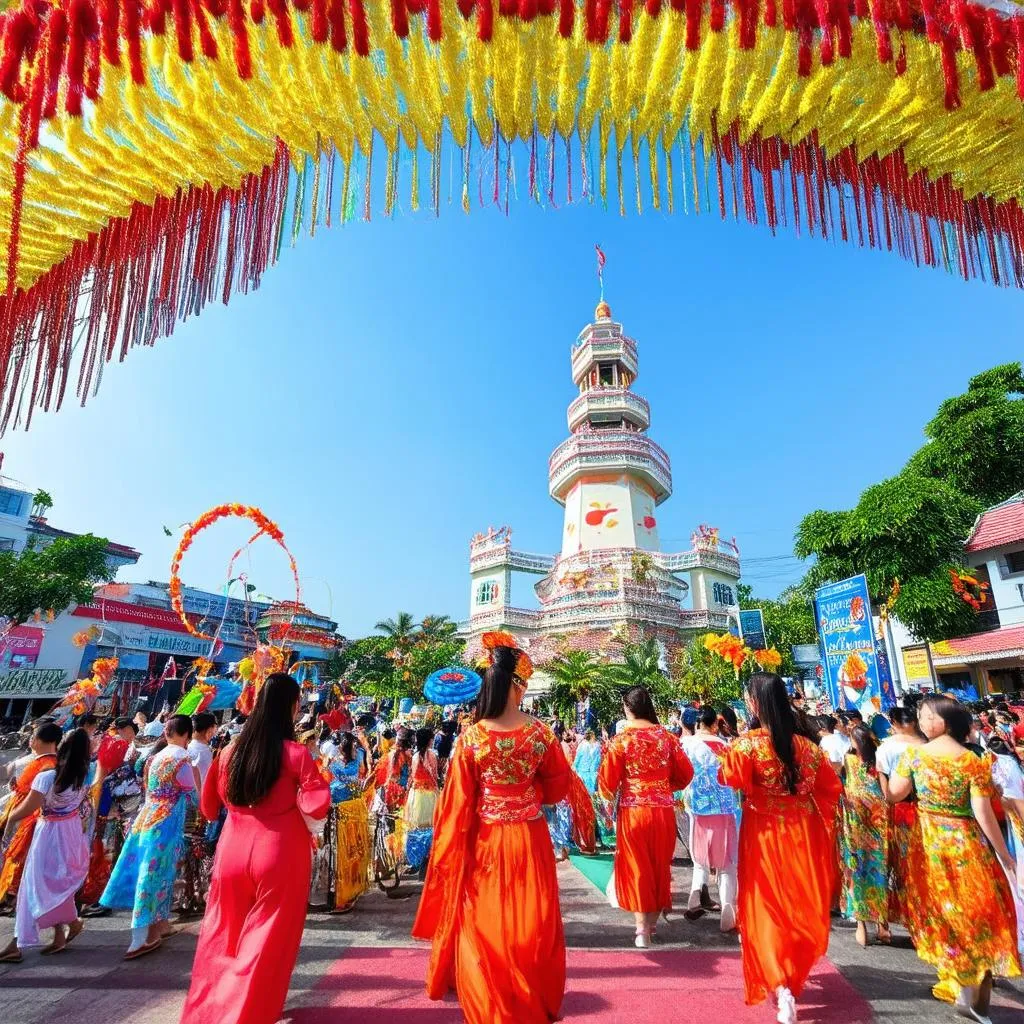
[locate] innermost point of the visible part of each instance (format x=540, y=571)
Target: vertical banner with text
x=847, y=635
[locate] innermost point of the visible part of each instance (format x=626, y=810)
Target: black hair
x=638, y=700
x=998, y=745
x=728, y=715
x=259, y=750
x=404, y=738
x=953, y=713
x=388, y=734
x=558, y=729
x=124, y=722
x=72, y=761
x=806, y=726
x=497, y=682
x=178, y=725
x=346, y=746
x=707, y=716
x=202, y=721
x=827, y=723
x=424, y=737
x=87, y=720
x=48, y=732
x=775, y=714
x=904, y=717
x=865, y=743
x=852, y=715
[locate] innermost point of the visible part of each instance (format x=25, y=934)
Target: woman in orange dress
x=967, y=922
x=490, y=903
x=643, y=766
x=788, y=867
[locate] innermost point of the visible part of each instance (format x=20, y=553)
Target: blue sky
x=396, y=386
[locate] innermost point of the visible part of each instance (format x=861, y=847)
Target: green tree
x=401, y=629
x=41, y=503
x=641, y=666
x=788, y=620
x=52, y=577
x=702, y=677
x=578, y=676
x=912, y=527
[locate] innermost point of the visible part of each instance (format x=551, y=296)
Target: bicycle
x=388, y=856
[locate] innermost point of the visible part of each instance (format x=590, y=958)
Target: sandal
x=144, y=950
x=74, y=930
x=11, y=958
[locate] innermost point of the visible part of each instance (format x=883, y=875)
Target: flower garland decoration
x=209, y=124
x=267, y=527
x=729, y=648
x=82, y=695
x=969, y=588
x=84, y=637
x=768, y=659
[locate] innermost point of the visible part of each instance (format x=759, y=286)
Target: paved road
x=91, y=984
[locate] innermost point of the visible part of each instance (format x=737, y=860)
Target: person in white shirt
x=204, y=725
x=155, y=729
x=835, y=744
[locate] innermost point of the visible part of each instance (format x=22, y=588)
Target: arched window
x=487, y=592
x=722, y=594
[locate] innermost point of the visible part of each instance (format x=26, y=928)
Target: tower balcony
x=609, y=451
x=603, y=342
x=606, y=404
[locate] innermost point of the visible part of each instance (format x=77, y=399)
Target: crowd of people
x=914, y=818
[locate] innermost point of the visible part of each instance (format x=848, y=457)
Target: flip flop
x=143, y=950
x=53, y=950
x=11, y=958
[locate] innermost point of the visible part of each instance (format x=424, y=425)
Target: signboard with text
x=752, y=628
x=917, y=667
x=843, y=614
x=34, y=682
x=20, y=646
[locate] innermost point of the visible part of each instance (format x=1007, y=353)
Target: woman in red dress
x=644, y=765
x=490, y=903
x=788, y=866
x=257, y=904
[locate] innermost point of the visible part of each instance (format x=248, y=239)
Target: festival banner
x=843, y=613
x=885, y=683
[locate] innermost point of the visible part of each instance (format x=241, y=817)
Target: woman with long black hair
x=643, y=766
x=968, y=923
x=58, y=857
x=490, y=903
x=787, y=862
x=421, y=802
x=257, y=904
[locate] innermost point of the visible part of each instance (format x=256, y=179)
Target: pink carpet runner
x=385, y=986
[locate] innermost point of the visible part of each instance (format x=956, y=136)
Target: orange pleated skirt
x=645, y=839
x=510, y=948
x=787, y=876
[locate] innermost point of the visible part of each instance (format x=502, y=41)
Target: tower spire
x=603, y=311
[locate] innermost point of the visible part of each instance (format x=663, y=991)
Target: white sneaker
x=728, y=920
x=787, y=1006
x=642, y=940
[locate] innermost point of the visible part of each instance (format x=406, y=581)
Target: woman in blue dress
x=143, y=878
x=352, y=825
x=586, y=764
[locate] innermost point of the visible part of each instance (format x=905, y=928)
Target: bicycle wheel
x=385, y=866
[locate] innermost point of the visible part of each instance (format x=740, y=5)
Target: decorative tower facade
x=610, y=583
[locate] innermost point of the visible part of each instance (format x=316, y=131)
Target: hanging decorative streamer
x=900, y=124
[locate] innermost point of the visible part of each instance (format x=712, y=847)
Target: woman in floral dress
x=490, y=903
x=351, y=823
x=143, y=878
x=864, y=840
x=968, y=928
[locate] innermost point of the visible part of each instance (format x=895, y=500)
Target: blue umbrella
x=452, y=686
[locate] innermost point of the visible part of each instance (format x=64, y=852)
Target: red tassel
x=546, y=7
x=155, y=16
x=566, y=16
x=466, y=8
x=949, y=72
x=653, y=8
x=92, y=67
x=400, y=18
x=861, y=9
x=590, y=19
x=279, y=9
x=694, y=9
x=507, y=8
x=931, y=24
x=110, y=17
x=318, y=27
x=485, y=20
x=748, y=24
x=258, y=11
x=770, y=14
x=844, y=30
x=827, y=54
x=1018, y=35
x=604, y=11
x=804, y=39
x=881, y=31
x=240, y=35
x=789, y=15
x=527, y=9
x=302, y=5
x=360, y=30
x=21, y=34
x=904, y=21
x=78, y=14
x=132, y=31
x=56, y=44
x=434, y=21
x=717, y=15
x=336, y=16
x=625, y=20
x=998, y=37
x=901, y=59
x=207, y=42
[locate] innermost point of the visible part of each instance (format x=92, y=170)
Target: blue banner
x=888, y=691
x=843, y=612
x=752, y=628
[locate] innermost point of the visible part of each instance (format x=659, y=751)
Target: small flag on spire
x=601, y=260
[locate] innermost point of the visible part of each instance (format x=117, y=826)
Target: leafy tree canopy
x=788, y=620
x=52, y=577
x=912, y=527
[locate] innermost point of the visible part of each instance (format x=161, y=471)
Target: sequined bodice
x=944, y=784
x=769, y=791
x=647, y=759
x=861, y=782
x=506, y=765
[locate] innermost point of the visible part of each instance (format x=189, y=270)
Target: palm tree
x=578, y=676
x=437, y=627
x=641, y=666
x=401, y=629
